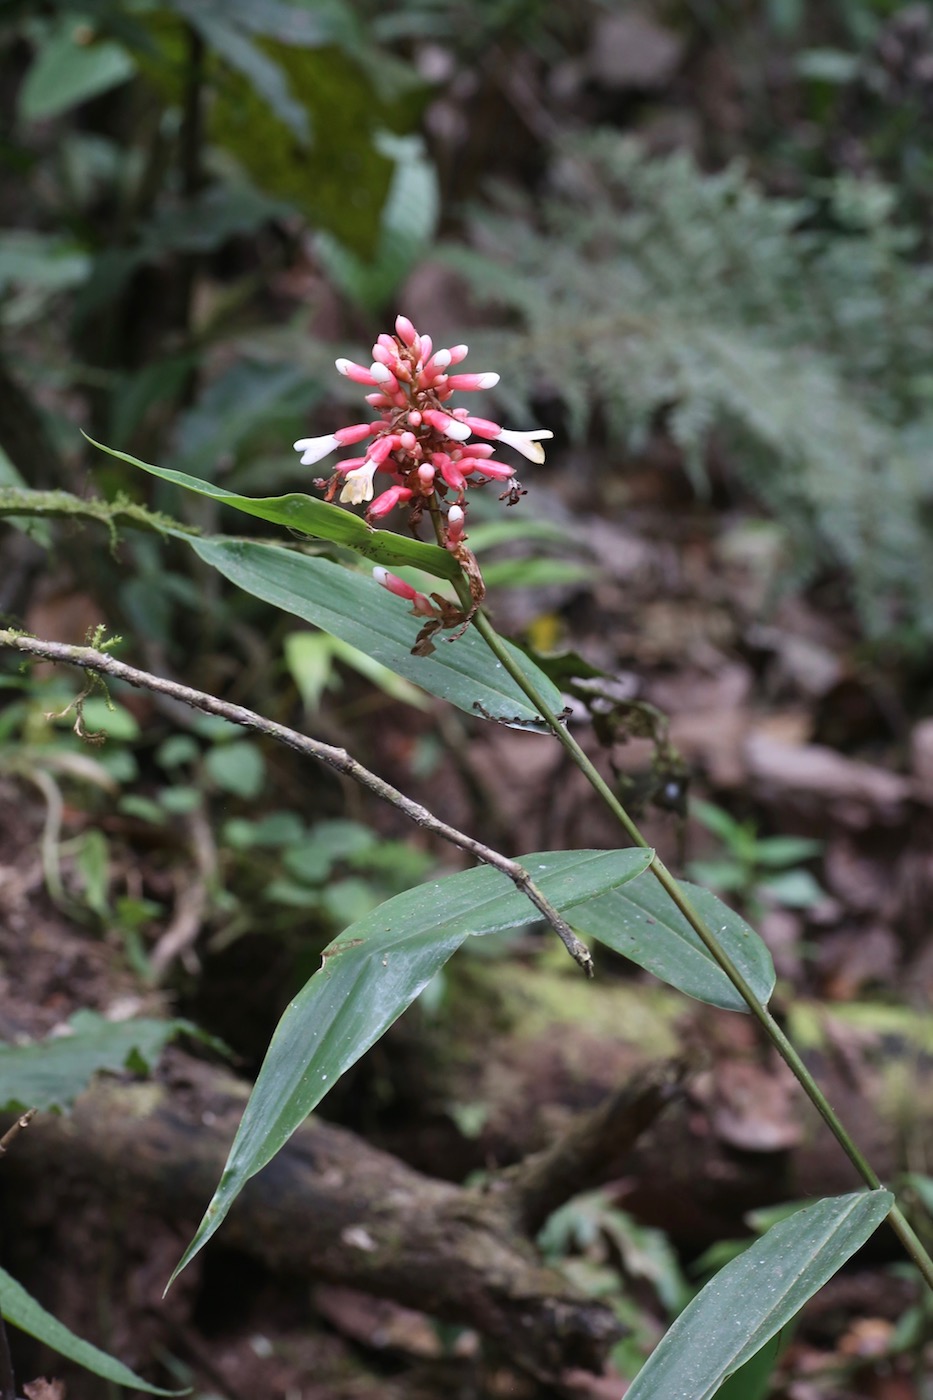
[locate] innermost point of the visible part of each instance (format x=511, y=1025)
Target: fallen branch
x=332, y=1207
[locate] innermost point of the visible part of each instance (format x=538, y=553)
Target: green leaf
x=317, y=518
x=338, y=179
x=796, y=889
x=52, y=1073
x=238, y=768
x=752, y=1381
x=263, y=74
x=20, y=1308
x=407, y=225
x=751, y=1299
x=534, y=573
x=69, y=70
x=108, y=717
x=644, y=925
x=370, y=974
x=717, y=821
x=354, y=608
x=775, y=851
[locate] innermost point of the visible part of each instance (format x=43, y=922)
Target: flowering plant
x=683, y=935
x=424, y=448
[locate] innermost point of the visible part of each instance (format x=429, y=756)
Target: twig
x=14, y=1132
x=592, y=1145
x=337, y=759
x=192, y=902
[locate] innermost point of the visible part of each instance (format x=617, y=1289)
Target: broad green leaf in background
x=317, y=518
x=52, y=1073
x=237, y=767
x=350, y=606
x=369, y=975
x=751, y=1299
x=311, y=656
x=335, y=174
x=535, y=573
x=406, y=227
x=643, y=925
x=20, y=1308
x=35, y=268
x=69, y=68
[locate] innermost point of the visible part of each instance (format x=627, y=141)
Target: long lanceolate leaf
x=20, y=1308
x=354, y=608
x=317, y=518
x=369, y=975
x=751, y=1299
x=642, y=923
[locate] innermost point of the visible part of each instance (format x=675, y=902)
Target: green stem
x=772, y=1030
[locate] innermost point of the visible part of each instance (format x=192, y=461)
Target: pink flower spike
x=401, y=589
x=358, y=373
x=467, y=382
x=313, y=449
x=381, y=375
x=496, y=471
x=438, y=362
x=458, y=353
x=426, y=475
x=380, y=401
x=382, y=447
x=528, y=444
x=452, y=474
x=455, y=520
x=387, y=342
x=385, y=356
x=450, y=427
x=394, y=584
x=406, y=331
x=484, y=427
x=355, y=433
x=427, y=345
x=395, y=496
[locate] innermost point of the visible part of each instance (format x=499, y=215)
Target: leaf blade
x=766, y=1285
x=369, y=975
x=20, y=1308
x=52, y=1073
x=358, y=611
x=323, y=521
x=644, y=925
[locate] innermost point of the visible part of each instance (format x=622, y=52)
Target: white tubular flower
x=528, y=444
x=313, y=449
x=358, y=486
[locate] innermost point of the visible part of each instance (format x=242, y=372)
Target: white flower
x=527, y=444
x=358, y=486
x=313, y=449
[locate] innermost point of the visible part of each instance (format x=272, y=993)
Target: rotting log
x=520, y=1051
x=331, y=1207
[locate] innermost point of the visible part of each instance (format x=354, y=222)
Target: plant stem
x=772, y=1030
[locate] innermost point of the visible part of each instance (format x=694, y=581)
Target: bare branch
x=22, y=1122
x=338, y=759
